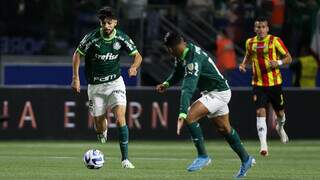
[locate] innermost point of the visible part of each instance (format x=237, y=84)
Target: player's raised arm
x=75, y=72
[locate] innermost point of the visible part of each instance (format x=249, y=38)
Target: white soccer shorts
x=216, y=102
x=102, y=96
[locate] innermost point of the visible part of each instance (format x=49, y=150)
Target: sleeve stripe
x=282, y=45
x=82, y=53
x=133, y=52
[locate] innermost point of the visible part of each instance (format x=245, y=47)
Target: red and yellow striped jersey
x=261, y=52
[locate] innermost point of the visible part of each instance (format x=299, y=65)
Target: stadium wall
x=57, y=113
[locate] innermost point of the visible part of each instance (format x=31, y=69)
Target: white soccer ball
x=93, y=159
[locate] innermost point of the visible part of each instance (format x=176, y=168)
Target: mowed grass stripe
x=155, y=160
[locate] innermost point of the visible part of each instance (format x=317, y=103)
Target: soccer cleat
x=282, y=133
x=127, y=164
x=245, y=166
x=199, y=163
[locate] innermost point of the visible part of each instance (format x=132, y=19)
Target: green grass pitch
x=299, y=160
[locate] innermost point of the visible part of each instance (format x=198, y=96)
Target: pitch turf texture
x=47, y=160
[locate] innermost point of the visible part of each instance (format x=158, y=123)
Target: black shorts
x=264, y=95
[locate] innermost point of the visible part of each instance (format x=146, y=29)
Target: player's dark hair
x=262, y=19
x=106, y=12
x=171, y=39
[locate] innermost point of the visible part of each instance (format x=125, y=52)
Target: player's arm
x=247, y=58
x=284, y=54
x=132, y=50
x=75, y=72
x=174, y=77
x=189, y=85
x=137, y=59
x=80, y=51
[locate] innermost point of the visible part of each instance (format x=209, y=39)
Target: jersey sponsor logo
x=260, y=47
x=106, y=78
x=116, y=45
x=108, y=56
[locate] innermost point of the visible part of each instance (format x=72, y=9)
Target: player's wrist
x=280, y=62
x=183, y=115
x=134, y=67
x=166, y=84
x=75, y=78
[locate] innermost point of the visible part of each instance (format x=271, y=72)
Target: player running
x=266, y=53
x=197, y=69
x=101, y=50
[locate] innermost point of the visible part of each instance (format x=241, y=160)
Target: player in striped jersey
x=266, y=53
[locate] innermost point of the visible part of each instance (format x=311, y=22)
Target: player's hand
x=273, y=64
x=242, y=68
x=75, y=85
x=180, y=124
x=161, y=88
x=132, y=71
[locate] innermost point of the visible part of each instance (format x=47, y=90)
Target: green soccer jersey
x=197, y=70
x=102, y=55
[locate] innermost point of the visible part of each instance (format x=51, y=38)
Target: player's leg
x=197, y=111
x=101, y=127
x=119, y=113
x=260, y=99
x=277, y=101
x=97, y=108
x=224, y=128
x=117, y=102
x=231, y=136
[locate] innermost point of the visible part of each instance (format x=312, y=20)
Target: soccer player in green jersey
x=197, y=70
x=101, y=51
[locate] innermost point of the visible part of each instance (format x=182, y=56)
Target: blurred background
x=38, y=38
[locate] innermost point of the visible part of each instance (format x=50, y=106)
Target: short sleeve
x=280, y=46
x=84, y=45
x=129, y=45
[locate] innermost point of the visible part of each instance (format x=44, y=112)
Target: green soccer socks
x=235, y=143
x=197, y=138
x=123, y=141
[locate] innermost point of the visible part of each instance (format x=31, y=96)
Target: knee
x=224, y=130
x=190, y=118
x=280, y=114
x=121, y=121
x=261, y=112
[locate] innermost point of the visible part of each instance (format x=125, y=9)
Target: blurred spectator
x=85, y=16
x=277, y=16
x=236, y=21
x=134, y=12
x=201, y=9
x=299, y=23
x=305, y=69
x=153, y=20
x=225, y=53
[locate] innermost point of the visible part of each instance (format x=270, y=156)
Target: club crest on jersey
x=190, y=67
x=116, y=45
